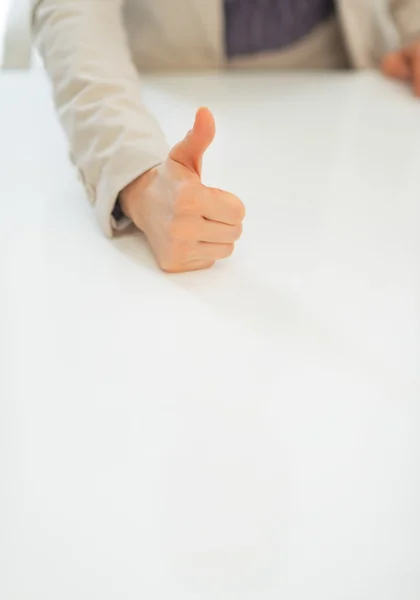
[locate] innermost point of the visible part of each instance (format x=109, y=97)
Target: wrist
x=132, y=198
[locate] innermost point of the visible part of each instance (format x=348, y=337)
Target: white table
x=245, y=433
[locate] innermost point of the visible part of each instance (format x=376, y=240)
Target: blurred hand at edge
x=404, y=64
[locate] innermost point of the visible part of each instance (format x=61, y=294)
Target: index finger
x=221, y=206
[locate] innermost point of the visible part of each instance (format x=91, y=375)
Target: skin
x=190, y=226
x=404, y=65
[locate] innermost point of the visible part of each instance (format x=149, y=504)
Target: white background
x=250, y=432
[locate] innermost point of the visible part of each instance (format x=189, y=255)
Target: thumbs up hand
x=189, y=226
x=404, y=64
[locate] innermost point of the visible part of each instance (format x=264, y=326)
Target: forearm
x=112, y=137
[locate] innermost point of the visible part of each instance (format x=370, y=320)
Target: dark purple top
x=259, y=25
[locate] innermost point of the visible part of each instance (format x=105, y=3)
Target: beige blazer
x=94, y=49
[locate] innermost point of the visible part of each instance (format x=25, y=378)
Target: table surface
x=245, y=433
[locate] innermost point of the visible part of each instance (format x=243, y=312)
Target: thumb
x=189, y=152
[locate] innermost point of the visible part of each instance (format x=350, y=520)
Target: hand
x=188, y=225
x=404, y=65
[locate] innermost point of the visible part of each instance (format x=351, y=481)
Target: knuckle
x=237, y=231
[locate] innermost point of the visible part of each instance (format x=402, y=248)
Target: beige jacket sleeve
x=406, y=14
x=113, y=138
